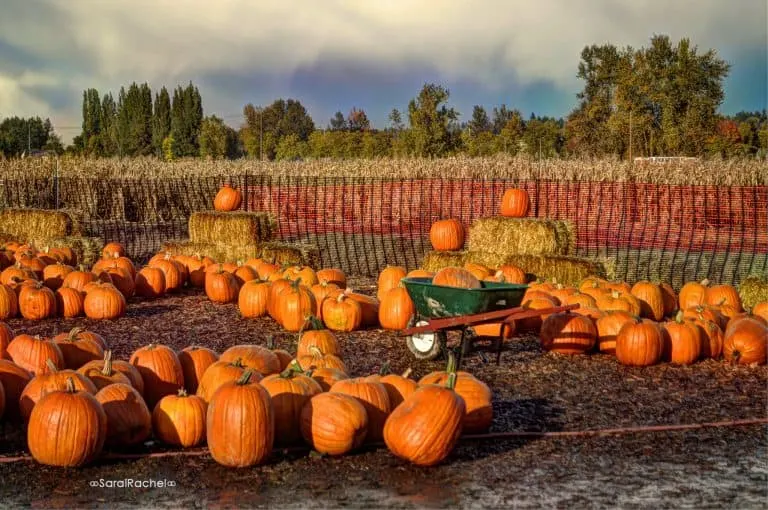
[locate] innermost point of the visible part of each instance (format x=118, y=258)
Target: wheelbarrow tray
x=435, y=301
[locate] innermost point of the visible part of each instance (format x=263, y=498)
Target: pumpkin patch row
x=242, y=402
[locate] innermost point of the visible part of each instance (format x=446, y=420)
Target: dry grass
x=87, y=249
x=714, y=172
x=235, y=228
x=567, y=270
x=35, y=223
x=283, y=254
x=753, y=290
x=522, y=236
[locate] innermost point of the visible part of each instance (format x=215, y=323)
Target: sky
x=335, y=54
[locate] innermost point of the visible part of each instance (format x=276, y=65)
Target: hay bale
x=291, y=254
x=436, y=260
x=87, y=249
x=231, y=227
x=26, y=224
x=567, y=270
x=523, y=236
x=753, y=289
x=216, y=251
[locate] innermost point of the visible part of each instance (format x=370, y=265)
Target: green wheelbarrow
x=441, y=309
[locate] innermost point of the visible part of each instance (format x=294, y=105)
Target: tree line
x=660, y=100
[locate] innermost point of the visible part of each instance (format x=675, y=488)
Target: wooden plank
x=470, y=320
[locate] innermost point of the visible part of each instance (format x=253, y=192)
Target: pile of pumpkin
x=640, y=324
x=291, y=294
x=74, y=399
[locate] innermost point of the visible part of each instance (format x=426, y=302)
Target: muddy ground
x=703, y=468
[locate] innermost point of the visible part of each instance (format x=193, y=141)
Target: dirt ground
x=532, y=391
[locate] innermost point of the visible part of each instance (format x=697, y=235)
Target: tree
x=543, y=137
x=217, y=140
x=161, y=120
x=278, y=120
x=291, y=148
x=186, y=119
x=396, y=120
x=338, y=122
x=109, y=146
x=357, y=120
x=21, y=136
x=431, y=120
x=480, y=122
x=91, y=133
x=510, y=137
x=501, y=117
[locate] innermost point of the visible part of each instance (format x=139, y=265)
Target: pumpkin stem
x=271, y=342
x=74, y=332
x=315, y=323
x=237, y=363
x=245, y=377
x=705, y=282
x=182, y=392
x=291, y=370
x=107, y=370
x=51, y=365
x=317, y=353
x=679, y=317
x=407, y=373
x=384, y=370
x=70, y=385
x=451, y=363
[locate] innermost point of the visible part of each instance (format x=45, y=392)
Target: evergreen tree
x=109, y=146
x=161, y=120
x=338, y=122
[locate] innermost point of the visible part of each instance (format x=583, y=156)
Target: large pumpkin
x=639, y=343
x=240, y=423
x=102, y=373
x=425, y=427
x=568, y=333
x=389, y=278
x=475, y=393
x=221, y=287
x=78, y=348
x=14, y=379
x=104, y=301
x=398, y=386
x=195, y=361
x=66, y=428
x=33, y=352
x=219, y=373
x=294, y=306
x=651, y=300
x=37, y=302
x=69, y=302
x=375, y=399
x=6, y=335
x=341, y=313
x=253, y=299
x=682, y=341
x=255, y=357
x=53, y=380
x=326, y=377
x=608, y=327
x=692, y=294
x=746, y=342
x=456, y=277
x=514, y=203
x=150, y=282
x=719, y=295
x=322, y=339
x=9, y=303
x=227, y=199
x=334, y=423
x=179, y=420
x=160, y=370
x=289, y=391
x=447, y=235
x=396, y=309
x=129, y=422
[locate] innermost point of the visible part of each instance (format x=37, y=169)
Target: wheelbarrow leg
x=498, y=343
x=465, y=345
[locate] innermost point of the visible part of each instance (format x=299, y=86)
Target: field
x=568, y=431
x=532, y=391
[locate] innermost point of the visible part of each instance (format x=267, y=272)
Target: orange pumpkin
x=240, y=423
x=375, y=399
x=37, y=302
x=160, y=370
x=227, y=199
x=692, y=294
x=253, y=299
x=179, y=420
x=608, y=327
x=514, y=203
x=66, y=428
x=456, y=277
x=682, y=341
x=746, y=342
x=332, y=276
x=150, y=282
x=447, y=235
x=129, y=421
x=723, y=295
x=104, y=301
x=761, y=309
x=9, y=303
x=218, y=373
x=396, y=309
x=32, y=353
x=195, y=360
x=333, y=423
x=651, y=300
x=389, y=278
x=474, y=392
x=568, y=333
x=639, y=343
x=289, y=391
x=221, y=287
x=255, y=357
x=78, y=348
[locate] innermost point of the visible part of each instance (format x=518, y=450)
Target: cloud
x=490, y=44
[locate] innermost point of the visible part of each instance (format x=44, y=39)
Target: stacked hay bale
x=754, y=290
x=50, y=229
x=239, y=236
x=542, y=248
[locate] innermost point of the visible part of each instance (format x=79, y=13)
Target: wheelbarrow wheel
x=427, y=346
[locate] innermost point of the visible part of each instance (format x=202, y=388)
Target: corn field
x=698, y=172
